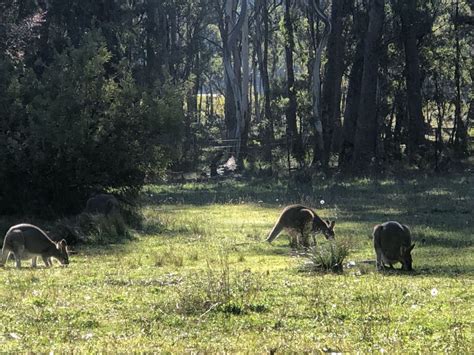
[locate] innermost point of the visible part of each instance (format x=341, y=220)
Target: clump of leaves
x=328, y=256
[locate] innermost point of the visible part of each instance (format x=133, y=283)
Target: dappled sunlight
x=201, y=274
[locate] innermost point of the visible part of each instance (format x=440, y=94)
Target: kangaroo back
x=102, y=204
x=298, y=217
x=392, y=243
x=290, y=217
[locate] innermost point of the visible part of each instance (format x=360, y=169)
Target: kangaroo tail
x=3, y=256
x=277, y=228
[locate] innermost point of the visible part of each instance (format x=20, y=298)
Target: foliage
x=76, y=130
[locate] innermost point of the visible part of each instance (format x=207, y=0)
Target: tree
x=292, y=135
x=331, y=94
x=409, y=32
x=366, y=129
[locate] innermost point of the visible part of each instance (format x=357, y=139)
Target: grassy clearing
x=199, y=277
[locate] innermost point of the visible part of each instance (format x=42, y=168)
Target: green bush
x=76, y=129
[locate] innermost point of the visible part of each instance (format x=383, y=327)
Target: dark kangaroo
x=105, y=204
x=26, y=241
x=300, y=219
x=392, y=243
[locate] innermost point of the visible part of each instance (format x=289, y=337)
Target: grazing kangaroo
x=102, y=204
x=26, y=241
x=392, y=243
x=301, y=220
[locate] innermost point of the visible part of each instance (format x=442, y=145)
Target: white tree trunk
x=239, y=87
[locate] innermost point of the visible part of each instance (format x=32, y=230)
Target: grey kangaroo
x=392, y=243
x=102, y=204
x=26, y=241
x=300, y=219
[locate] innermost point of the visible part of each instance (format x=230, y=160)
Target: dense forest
x=101, y=95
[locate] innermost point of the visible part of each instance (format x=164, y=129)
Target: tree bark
x=319, y=154
x=262, y=57
x=331, y=94
x=460, y=134
x=366, y=129
x=352, y=106
x=291, y=126
x=231, y=31
x=416, y=125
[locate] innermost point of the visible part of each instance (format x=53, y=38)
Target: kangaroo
x=301, y=220
x=26, y=241
x=392, y=243
x=102, y=204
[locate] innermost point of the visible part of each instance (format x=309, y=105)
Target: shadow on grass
x=442, y=271
x=425, y=240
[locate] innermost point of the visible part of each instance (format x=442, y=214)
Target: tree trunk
x=291, y=126
x=460, y=134
x=366, y=129
x=331, y=94
x=245, y=119
x=319, y=149
x=416, y=124
x=353, y=93
x=230, y=33
x=262, y=57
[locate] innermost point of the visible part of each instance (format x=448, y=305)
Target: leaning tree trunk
x=366, y=130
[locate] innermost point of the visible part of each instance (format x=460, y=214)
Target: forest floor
x=199, y=276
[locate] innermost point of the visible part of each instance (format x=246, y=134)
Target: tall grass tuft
x=328, y=256
x=221, y=289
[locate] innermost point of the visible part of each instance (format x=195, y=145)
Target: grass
x=200, y=278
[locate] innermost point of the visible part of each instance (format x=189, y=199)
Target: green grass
x=201, y=278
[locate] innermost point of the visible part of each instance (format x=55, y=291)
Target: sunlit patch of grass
x=199, y=277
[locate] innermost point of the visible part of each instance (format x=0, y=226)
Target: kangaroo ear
x=328, y=222
x=332, y=224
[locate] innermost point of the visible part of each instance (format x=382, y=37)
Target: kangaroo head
x=63, y=253
x=406, y=259
x=325, y=227
x=329, y=230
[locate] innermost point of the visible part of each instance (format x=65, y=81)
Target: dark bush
x=75, y=130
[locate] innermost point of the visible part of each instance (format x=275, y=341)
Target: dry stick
x=209, y=309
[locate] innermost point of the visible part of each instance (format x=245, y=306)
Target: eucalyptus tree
x=366, y=128
x=233, y=27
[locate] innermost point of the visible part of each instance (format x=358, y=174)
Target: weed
x=328, y=256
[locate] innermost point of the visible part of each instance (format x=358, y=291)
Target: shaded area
x=428, y=205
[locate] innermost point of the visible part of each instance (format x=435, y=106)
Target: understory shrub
x=76, y=129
